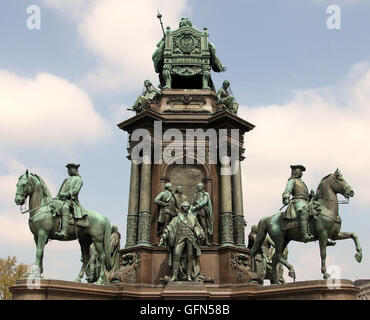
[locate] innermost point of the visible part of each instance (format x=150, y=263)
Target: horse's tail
x=107, y=235
x=261, y=235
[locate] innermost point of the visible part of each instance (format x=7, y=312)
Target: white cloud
x=323, y=129
x=123, y=35
x=47, y=112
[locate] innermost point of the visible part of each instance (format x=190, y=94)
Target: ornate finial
x=159, y=16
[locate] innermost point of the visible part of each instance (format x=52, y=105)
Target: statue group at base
x=201, y=207
x=262, y=261
x=320, y=216
x=182, y=237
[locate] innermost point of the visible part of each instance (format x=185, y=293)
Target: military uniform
x=300, y=197
x=68, y=195
x=203, y=211
x=182, y=233
x=167, y=204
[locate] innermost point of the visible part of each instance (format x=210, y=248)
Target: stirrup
x=61, y=234
x=307, y=237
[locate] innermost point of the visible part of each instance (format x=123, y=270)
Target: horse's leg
x=351, y=235
x=323, y=239
x=85, y=243
x=102, y=259
x=42, y=238
x=285, y=262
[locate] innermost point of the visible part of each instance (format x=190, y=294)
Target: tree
x=10, y=272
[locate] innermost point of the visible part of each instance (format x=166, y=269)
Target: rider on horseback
x=300, y=198
x=68, y=194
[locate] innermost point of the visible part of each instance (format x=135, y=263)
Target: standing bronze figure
x=182, y=236
x=202, y=209
x=325, y=223
x=166, y=202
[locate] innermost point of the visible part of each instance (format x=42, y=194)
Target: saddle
x=83, y=222
x=291, y=219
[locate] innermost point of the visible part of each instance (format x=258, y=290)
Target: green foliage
x=10, y=272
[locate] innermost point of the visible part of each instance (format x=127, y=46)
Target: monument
x=186, y=222
x=190, y=107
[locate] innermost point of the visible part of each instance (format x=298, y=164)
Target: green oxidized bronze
x=262, y=261
x=180, y=197
x=184, y=58
x=202, y=209
x=226, y=98
x=47, y=213
x=167, y=204
x=323, y=220
x=182, y=236
x=149, y=96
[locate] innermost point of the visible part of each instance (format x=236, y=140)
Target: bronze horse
x=326, y=224
x=43, y=225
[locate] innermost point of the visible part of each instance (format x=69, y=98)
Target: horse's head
x=24, y=188
x=340, y=185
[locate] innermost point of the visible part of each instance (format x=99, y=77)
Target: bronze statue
x=43, y=223
x=166, y=202
x=182, y=236
x=325, y=223
x=202, y=209
x=68, y=199
x=180, y=197
x=115, y=246
x=184, y=58
x=93, y=267
x=262, y=261
x=300, y=198
x=226, y=98
x=150, y=95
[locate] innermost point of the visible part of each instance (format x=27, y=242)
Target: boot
x=175, y=270
x=189, y=268
x=306, y=236
x=63, y=234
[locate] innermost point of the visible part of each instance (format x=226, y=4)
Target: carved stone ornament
x=130, y=264
x=240, y=265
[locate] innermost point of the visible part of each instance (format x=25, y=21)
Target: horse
x=324, y=225
x=43, y=224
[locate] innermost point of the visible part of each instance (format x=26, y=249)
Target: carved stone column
x=226, y=213
x=145, y=197
x=239, y=223
x=133, y=206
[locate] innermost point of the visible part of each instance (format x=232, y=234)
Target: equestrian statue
x=63, y=218
x=309, y=217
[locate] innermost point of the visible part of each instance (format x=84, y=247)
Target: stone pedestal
x=183, y=110
x=303, y=290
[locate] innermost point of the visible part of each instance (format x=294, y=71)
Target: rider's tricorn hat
x=299, y=166
x=72, y=165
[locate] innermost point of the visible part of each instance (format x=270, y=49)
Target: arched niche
x=187, y=175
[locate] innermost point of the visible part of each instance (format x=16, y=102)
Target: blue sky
x=64, y=88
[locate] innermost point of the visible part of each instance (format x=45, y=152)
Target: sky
x=66, y=85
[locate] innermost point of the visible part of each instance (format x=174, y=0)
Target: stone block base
x=66, y=290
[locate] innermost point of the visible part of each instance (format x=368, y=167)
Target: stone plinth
x=303, y=290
